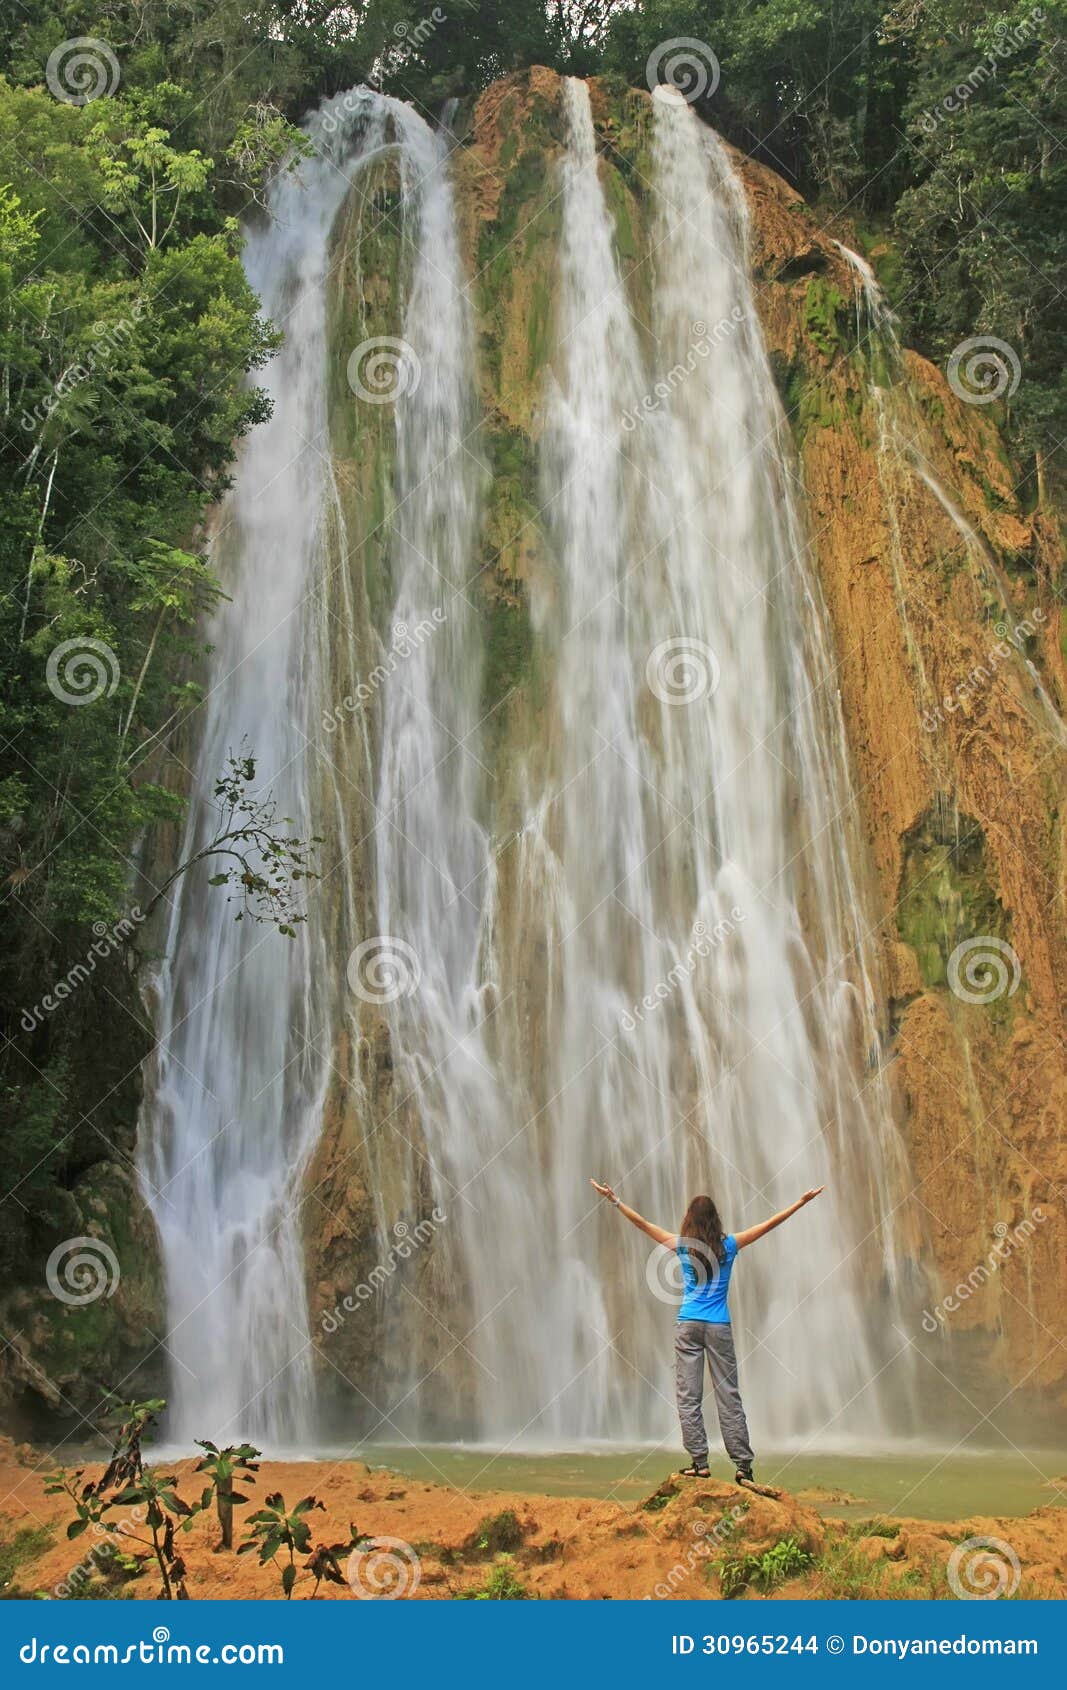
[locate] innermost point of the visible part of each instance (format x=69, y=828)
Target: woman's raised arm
x=751, y=1233
x=670, y=1239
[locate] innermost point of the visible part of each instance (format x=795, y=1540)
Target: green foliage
x=946, y=895
x=223, y=1466
x=274, y=1529
x=144, y=1495
x=27, y=1545
x=500, y=1586
x=496, y=1534
x=981, y=225
x=127, y=333
x=763, y=1570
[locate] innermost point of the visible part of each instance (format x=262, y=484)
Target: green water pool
x=928, y=1485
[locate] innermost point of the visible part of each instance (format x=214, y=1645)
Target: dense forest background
x=128, y=333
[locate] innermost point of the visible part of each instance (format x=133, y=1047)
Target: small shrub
x=762, y=1571
x=27, y=1545
x=500, y=1586
x=497, y=1534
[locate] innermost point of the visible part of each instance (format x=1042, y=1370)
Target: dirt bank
x=689, y=1539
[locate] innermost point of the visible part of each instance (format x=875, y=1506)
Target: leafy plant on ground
x=274, y=1528
x=222, y=1466
x=127, y=1483
x=761, y=1570
x=500, y=1586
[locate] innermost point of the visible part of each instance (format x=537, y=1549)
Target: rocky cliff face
x=942, y=597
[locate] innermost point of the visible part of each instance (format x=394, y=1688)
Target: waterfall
x=235, y=1097
x=637, y=945
x=905, y=455
x=706, y=845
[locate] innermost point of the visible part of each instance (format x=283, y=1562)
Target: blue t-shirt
x=704, y=1297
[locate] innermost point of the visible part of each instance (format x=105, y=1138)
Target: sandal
x=693, y=1472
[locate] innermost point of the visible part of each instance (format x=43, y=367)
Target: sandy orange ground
x=664, y=1546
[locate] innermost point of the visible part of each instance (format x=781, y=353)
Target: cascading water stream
x=235, y=1102
x=650, y=964
x=708, y=846
x=679, y=548
x=903, y=454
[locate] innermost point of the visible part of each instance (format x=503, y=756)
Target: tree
x=267, y=864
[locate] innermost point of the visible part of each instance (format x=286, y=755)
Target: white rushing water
x=640, y=951
x=904, y=456
x=235, y=1104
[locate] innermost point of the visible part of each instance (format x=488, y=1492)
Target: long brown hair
x=701, y=1232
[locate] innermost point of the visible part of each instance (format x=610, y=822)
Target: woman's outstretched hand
x=814, y=1192
x=604, y=1190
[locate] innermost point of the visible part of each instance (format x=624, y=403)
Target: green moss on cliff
x=828, y=318
x=946, y=893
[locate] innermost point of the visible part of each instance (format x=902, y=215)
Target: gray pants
x=696, y=1339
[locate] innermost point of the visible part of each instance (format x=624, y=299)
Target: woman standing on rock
x=707, y=1256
